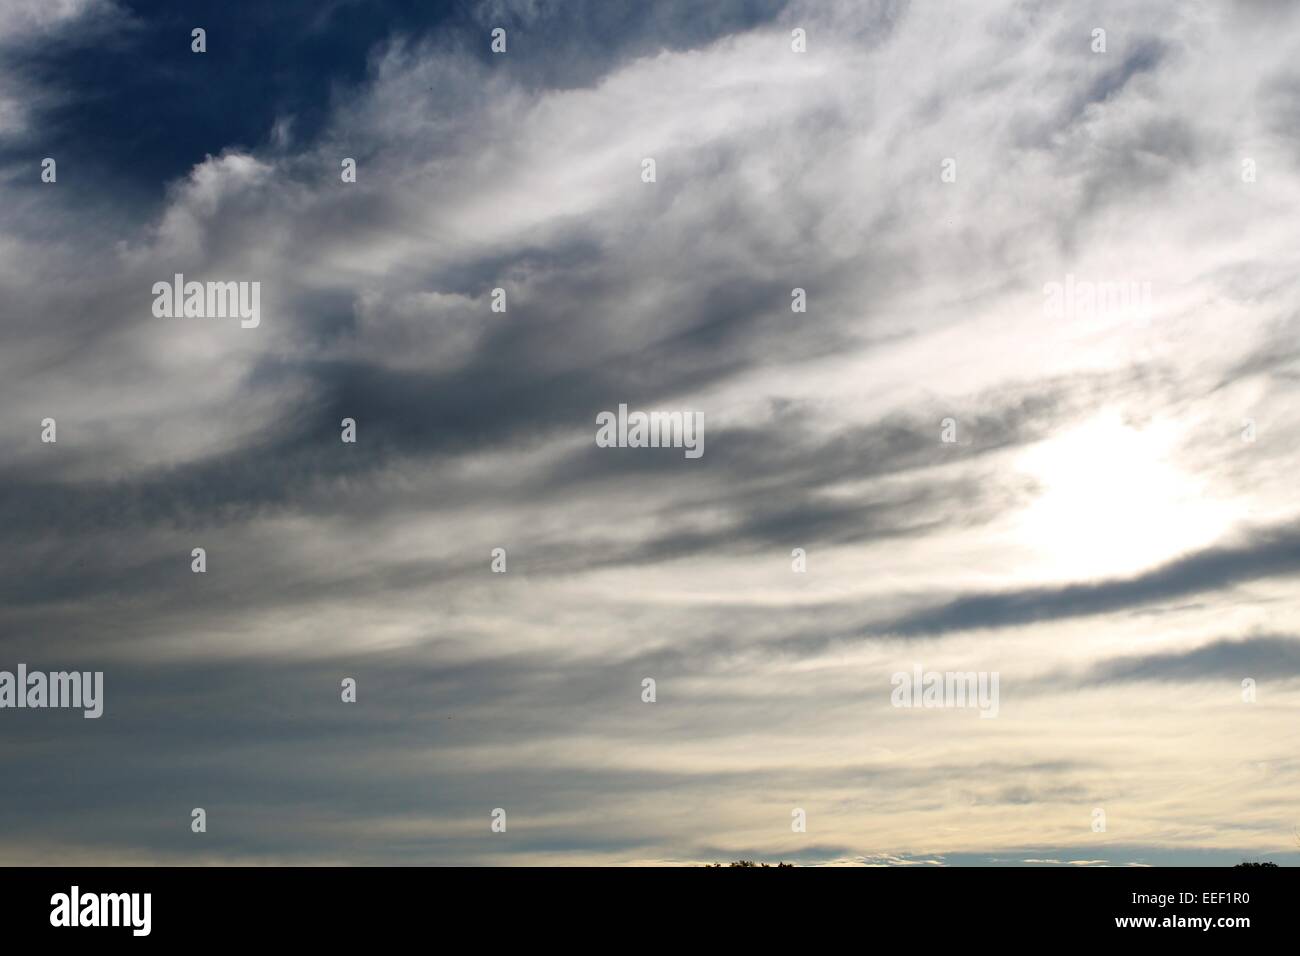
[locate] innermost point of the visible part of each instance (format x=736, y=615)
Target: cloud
x=1271, y=657
x=775, y=171
x=1268, y=553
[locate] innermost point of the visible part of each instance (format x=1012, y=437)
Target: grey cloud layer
x=822, y=432
x=1269, y=553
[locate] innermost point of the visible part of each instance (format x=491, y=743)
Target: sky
x=1032, y=415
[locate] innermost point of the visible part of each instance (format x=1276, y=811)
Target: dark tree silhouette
x=710, y=866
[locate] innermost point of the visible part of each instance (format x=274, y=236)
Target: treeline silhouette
x=775, y=866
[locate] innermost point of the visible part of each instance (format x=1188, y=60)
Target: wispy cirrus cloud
x=1098, y=512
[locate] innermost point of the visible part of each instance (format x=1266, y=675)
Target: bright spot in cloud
x=1112, y=502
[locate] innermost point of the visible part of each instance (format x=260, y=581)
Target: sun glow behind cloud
x=1112, y=500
